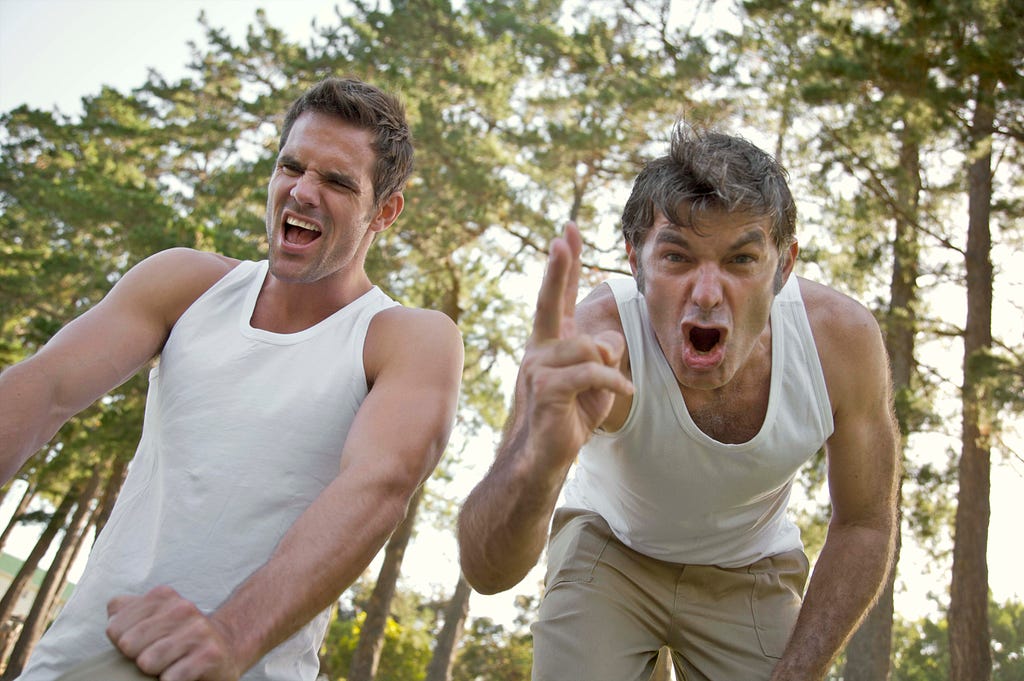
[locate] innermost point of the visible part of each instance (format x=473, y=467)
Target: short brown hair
x=370, y=108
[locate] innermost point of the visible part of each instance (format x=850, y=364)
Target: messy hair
x=709, y=171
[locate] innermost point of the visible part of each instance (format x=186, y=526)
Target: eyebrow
x=330, y=175
x=753, y=237
x=342, y=178
x=287, y=158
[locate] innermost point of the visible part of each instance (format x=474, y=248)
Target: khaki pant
x=608, y=610
x=108, y=666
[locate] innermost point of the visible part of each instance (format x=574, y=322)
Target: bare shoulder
x=422, y=325
x=173, y=279
x=187, y=267
x=407, y=335
x=598, y=311
x=848, y=339
x=835, y=316
x=129, y=326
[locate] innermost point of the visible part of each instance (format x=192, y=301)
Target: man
x=290, y=419
x=696, y=393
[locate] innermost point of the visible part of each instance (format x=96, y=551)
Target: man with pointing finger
x=692, y=395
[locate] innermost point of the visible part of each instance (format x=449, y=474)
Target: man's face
x=709, y=294
x=320, y=213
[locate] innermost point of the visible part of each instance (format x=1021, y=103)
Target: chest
x=731, y=415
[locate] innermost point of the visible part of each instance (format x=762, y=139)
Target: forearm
x=323, y=553
x=847, y=578
x=503, y=525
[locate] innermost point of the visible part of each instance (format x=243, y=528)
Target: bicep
x=404, y=423
x=100, y=349
x=863, y=469
x=864, y=447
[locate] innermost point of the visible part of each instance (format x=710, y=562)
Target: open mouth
x=299, y=232
x=704, y=340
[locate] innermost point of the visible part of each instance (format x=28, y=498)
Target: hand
x=570, y=379
x=168, y=637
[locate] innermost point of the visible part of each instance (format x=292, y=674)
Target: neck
x=290, y=307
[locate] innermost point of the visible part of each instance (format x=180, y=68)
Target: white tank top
x=243, y=429
x=670, y=491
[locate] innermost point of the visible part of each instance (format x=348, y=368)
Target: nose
x=305, y=190
x=707, y=290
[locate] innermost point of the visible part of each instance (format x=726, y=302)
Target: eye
x=744, y=259
x=290, y=169
x=676, y=257
x=338, y=182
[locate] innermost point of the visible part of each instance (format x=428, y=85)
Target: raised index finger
x=556, y=301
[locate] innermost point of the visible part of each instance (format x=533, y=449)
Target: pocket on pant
x=776, y=600
x=577, y=541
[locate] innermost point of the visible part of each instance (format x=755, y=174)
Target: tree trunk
x=371, y=638
x=22, y=506
x=97, y=519
x=75, y=550
x=28, y=568
x=869, y=652
x=455, y=614
x=37, y=619
x=970, y=655
x=110, y=494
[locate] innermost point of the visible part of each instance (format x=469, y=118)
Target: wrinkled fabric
x=243, y=429
x=671, y=492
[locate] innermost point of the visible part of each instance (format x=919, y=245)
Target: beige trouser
x=607, y=610
x=107, y=666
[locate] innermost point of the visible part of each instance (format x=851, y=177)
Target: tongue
x=299, y=236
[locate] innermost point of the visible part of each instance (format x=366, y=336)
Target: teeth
x=298, y=222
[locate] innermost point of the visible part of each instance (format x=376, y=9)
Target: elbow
x=481, y=570
x=486, y=588
x=483, y=581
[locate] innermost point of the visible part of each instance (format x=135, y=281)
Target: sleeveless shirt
x=673, y=493
x=243, y=429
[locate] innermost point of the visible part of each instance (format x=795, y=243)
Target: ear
x=632, y=255
x=388, y=212
x=788, y=260
x=792, y=254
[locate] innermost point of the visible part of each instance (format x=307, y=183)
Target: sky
x=53, y=52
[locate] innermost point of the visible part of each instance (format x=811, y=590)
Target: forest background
x=900, y=124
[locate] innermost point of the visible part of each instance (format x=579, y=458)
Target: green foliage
x=999, y=377
x=928, y=507
x=921, y=649
x=1007, y=625
x=405, y=655
x=490, y=653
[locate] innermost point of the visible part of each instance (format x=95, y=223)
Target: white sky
x=52, y=52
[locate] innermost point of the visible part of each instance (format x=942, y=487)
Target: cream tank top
x=243, y=429
x=673, y=493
